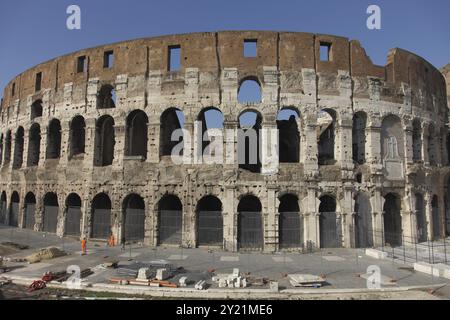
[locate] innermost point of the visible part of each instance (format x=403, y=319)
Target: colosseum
x=364, y=150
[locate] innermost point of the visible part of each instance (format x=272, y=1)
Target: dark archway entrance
x=290, y=222
x=51, y=208
x=136, y=134
x=101, y=217
x=250, y=224
x=209, y=222
x=329, y=224
x=3, y=208
x=392, y=220
x=30, y=210
x=54, y=140
x=14, y=210
x=422, y=233
x=105, y=141
x=170, y=220
x=363, y=221
x=134, y=218
x=436, y=218
x=73, y=215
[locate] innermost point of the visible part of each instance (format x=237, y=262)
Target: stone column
x=271, y=220
x=346, y=207
x=310, y=154
x=89, y=149
x=116, y=225
x=43, y=147
x=26, y=137
x=119, y=147
x=377, y=202
x=230, y=219
x=424, y=137
x=61, y=223
x=344, y=144
x=311, y=218
x=86, y=218
x=429, y=214
x=13, y=150
x=153, y=139
x=149, y=239
x=65, y=143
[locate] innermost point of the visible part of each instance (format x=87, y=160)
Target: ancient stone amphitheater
x=364, y=149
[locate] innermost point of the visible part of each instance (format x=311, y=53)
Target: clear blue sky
x=35, y=31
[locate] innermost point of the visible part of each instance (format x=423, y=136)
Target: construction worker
x=83, y=246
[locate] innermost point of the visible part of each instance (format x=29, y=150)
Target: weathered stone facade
x=399, y=109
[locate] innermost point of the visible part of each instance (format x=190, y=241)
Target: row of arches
x=209, y=219
x=288, y=124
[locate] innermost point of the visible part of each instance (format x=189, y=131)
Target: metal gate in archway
x=30, y=210
x=250, y=231
x=14, y=214
x=291, y=230
x=134, y=224
x=3, y=212
x=101, y=224
x=209, y=228
x=170, y=227
x=330, y=230
x=73, y=221
x=50, y=219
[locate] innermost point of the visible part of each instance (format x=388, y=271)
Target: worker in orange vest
x=83, y=246
x=111, y=240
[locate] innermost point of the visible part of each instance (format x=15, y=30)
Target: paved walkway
x=341, y=267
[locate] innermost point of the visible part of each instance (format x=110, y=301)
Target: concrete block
x=237, y=282
x=183, y=281
x=244, y=283
x=143, y=274
x=162, y=274
x=377, y=254
x=235, y=272
x=223, y=283
x=201, y=285
x=274, y=286
x=427, y=268
x=444, y=270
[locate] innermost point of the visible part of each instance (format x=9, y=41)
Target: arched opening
x=77, y=137
x=250, y=224
x=30, y=210
x=422, y=233
x=211, y=119
x=329, y=223
x=289, y=136
x=101, y=217
x=105, y=141
x=3, y=208
x=136, y=134
x=172, y=119
x=34, y=145
x=7, y=156
x=249, y=142
x=170, y=220
x=51, y=209
x=54, y=140
x=106, y=98
x=14, y=210
x=363, y=221
x=392, y=147
x=392, y=220
x=209, y=222
x=290, y=222
x=326, y=124
x=36, y=110
x=249, y=92
x=359, y=137
x=432, y=145
x=134, y=219
x=417, y=141
x=436, y=218
x=18, y=149
x=73, y=215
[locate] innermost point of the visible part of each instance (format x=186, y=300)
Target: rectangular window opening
x=108, y=59
x=250, y=48
x=174, y=58
x=325, y=51
x=81, y=64
x=13, y=90
x=38, y=81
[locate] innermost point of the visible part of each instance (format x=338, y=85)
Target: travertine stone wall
x=291, y=74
